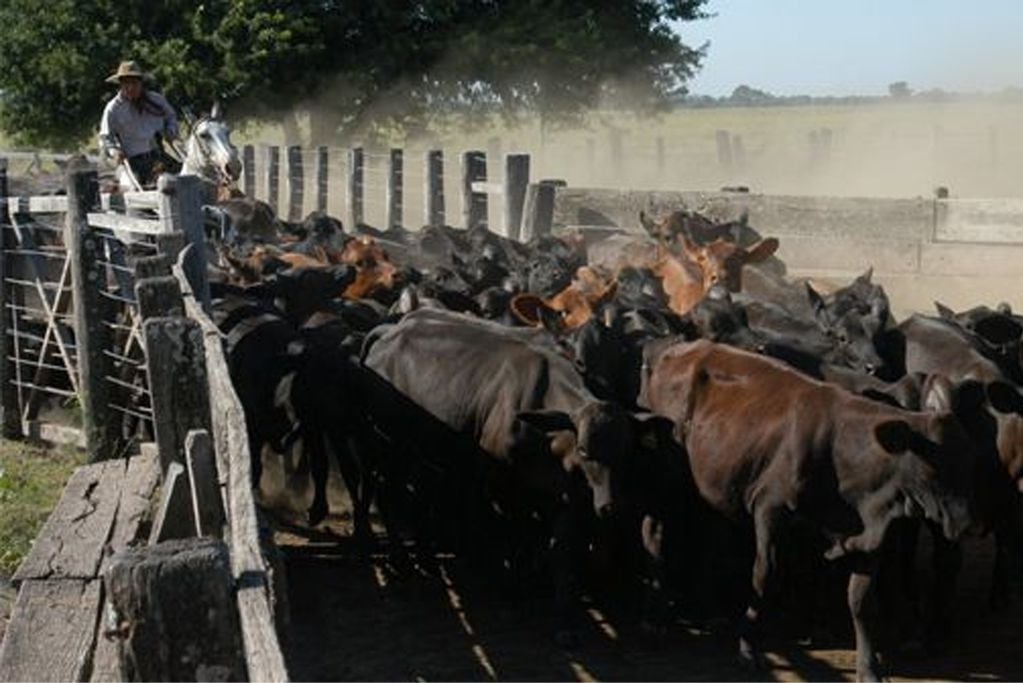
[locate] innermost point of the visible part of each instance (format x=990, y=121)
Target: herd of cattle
x=641, y=406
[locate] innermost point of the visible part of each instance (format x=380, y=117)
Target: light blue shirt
x=125, y=127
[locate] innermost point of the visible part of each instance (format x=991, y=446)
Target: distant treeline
x=745, y=96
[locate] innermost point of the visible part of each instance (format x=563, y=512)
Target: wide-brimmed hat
x=128, y=69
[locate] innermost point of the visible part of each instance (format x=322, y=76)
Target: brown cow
x=769, y=444
x=374, y=268
x=569, y=309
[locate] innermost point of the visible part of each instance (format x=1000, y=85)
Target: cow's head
x=852, y=335
x=374, y=269
x=721, y=261
x=933, y=470
x=594, y=440
x=570, y=308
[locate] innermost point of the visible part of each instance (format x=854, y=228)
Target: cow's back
x=473, y=375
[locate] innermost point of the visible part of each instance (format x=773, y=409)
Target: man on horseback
x=131, y=122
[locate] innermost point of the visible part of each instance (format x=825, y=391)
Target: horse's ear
x=215, y=113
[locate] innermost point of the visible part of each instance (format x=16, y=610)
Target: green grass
x=31, y=481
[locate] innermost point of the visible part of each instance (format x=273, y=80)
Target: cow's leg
x=765, y=520
x=861, y=607
x=948, y=560
x=314, y=443
x=347, y=462
x=359, y=454
x=567, y=547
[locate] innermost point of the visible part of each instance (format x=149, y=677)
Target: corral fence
x=404, y=187
x=152, y=566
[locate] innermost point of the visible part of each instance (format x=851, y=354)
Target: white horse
x=208, y=154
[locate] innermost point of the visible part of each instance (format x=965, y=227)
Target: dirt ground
x=352, y=619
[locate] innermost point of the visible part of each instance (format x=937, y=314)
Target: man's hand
x=117, y=156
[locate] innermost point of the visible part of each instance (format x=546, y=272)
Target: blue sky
x=840, y=47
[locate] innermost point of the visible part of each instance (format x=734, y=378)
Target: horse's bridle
x=222, y=179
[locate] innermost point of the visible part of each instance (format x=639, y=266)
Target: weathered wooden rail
x=140, y=551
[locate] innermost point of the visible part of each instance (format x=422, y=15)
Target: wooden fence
x=367, y=186
x=106, y=580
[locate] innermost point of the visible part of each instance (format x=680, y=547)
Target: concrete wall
x=960, y=252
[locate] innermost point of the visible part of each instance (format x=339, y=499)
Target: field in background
x=887, y=150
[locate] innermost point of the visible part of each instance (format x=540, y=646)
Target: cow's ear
x=998, y=329
x=653, y=432
x=526, y=307
x=343, y=275
x=865, y=278
x=944, y=311
x=648, y=224
x=816, y=300
x=1004, y=397
x=547, y=421
x=895, y=436
x=690, y=248
x=936, y=395
x=761, y=250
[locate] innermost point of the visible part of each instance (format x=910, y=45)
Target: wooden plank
x=177, y=599
x=262, y=649
x=249, y=170
x=354, y=197
x=138, y=486
x=91, y=334
x=70, y=545
x=52, y=631
x=474, y=204
x=207, y=506
x=434, y=190
x=147, y=199
x=484, y=187
x=159, y=297
x=271, y=173
x=322, y=178
x=395, y=189
x=10, y=414
x=182, y=201
x=173, y=517
x=177, y=373
x=122, y=223
x=516, y=180
x=296, y=183
x=106, y=657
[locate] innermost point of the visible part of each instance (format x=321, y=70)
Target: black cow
x=557, y=449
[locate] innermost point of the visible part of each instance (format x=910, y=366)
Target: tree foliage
x=368, y=63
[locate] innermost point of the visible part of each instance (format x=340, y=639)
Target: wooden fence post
x=296, y=183
x=159, y=297
x=539, y=209
x=617, y=154
x=591, y=160
x=516, y=180
x=178, y=599
x=92, y=335
x=176, y=363
x=738, y=153
x=322, y=178
x=181, y=206
x=272, y=174
x=354, y=213
x=395, y=189
x=434, y=190
x=10, y=415
x=724, y=144
x=249, y=170
x=474, y=204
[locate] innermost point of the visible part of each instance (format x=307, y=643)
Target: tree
x=368, y=65
x=899, y=90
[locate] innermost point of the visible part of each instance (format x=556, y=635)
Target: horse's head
x=209, y=152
